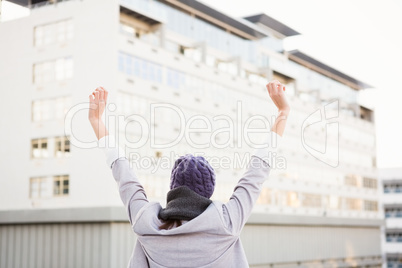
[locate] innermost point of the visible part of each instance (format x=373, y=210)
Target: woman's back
x=204, y=241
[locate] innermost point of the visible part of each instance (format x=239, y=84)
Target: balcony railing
x=394, y=239
x=46, y=3
x=394, y=265
x=393, y=190
x=392, y=214
x=151, y=9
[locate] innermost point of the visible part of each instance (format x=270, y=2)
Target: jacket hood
x=186, y=245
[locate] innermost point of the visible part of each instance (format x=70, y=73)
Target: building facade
x=183, y=78
x=391, y=180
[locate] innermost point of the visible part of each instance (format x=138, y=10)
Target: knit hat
x=194, y=172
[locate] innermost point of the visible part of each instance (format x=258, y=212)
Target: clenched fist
x=277, y=94
x=97, y=103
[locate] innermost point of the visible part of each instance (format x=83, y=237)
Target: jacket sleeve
x=238, y=209
x=131, y=191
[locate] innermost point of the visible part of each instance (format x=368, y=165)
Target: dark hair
x=168, y=224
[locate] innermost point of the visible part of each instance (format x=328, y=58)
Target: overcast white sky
x=361, y=38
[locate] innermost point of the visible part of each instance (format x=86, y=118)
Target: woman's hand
x=277, y=94
x=97, y=104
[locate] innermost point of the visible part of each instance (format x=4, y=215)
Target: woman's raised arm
x=131, y=191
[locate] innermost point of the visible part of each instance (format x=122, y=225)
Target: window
x=311, y=200
x=40, y=110
x=369, y=183
x=389, y=212
x=50, y=109
x=54, y=70
x=387, y=188
x=394, y=237
x=394, y=261
x=60, y=106
x=389, y=237
x=370, y=205
x=397, y=188
x=351, y=180
x=176, y=79
x=293, y=199
x=60, y=185
x=229, y=67
x=53, y=33
x=127, y=29
x=149, y=36
x=193, y=53
x=62, y=147
x=39, y=148
x=63, y=68
x=393, y=212
x=265, y=197
x=141, y=68
x=353, y=204
x=280, y=198
x=39, y=187
x=129, y=104
x=263, y=60
x=393, y=187
x=256, y=78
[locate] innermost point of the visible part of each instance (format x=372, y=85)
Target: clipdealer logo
x=325, y=117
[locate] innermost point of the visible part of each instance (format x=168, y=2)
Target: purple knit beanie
x=194, y=172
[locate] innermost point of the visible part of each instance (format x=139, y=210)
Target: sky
x=361, y=38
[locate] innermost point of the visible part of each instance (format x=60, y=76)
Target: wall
x=102, y=237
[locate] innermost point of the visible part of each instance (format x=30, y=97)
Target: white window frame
x=53, y=33
x=43, y=153
x=58, y=190
x=65, y=146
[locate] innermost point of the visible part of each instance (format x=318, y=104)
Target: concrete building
x=59, y=203
x=391, y=180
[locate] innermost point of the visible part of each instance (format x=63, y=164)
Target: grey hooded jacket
x=210, y=240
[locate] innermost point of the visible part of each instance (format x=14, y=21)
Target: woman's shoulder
x=150, y=209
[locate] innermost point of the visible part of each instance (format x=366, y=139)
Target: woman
x=192, y=231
